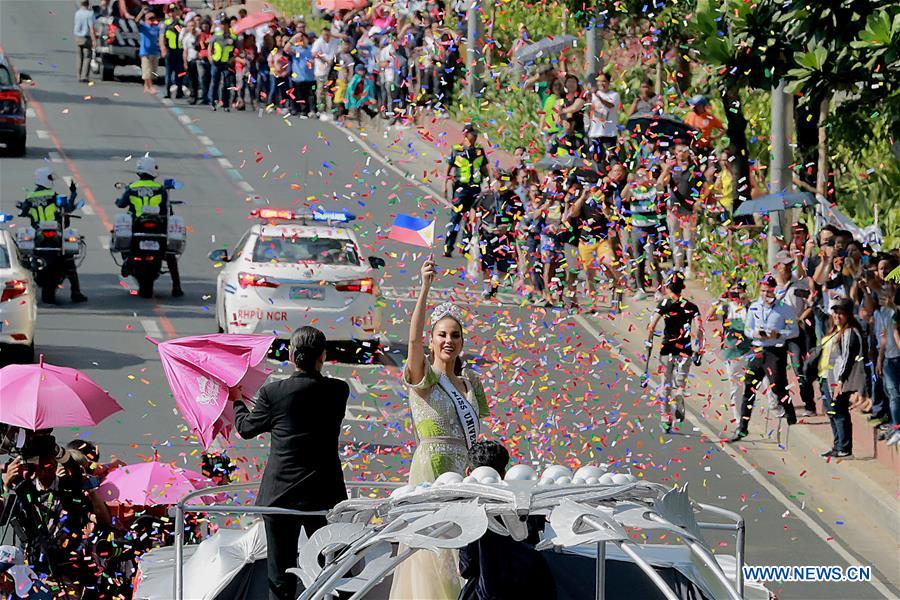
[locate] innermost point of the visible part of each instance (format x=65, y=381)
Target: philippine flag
x=411, y=230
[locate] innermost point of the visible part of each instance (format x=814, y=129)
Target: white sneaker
x=688, y=274
x=325, y=117
x=640, y=295
x=894, y=439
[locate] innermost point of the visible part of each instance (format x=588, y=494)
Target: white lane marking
x=428, y=191
x=245, y=186
x=225, y=162
x=205, y=140
x=104, y=241
x=151, y=328
x=184, y=119
x=357, y=385
x=166, y=101
x=88, y=209
x=817, y=529
x=29, y=112
x=55, y=157
x=42, y=134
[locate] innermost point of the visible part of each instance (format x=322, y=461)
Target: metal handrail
x=182, y=507
x=740, y=528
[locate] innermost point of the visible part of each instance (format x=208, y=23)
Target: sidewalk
x=861, y=496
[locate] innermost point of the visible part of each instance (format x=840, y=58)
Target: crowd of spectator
x=379, y=60
x=77, y=540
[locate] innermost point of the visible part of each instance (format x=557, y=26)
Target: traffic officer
x=138, y=195
x=171, y=48
x=221, y=58
x=41, y=205
x=467, y=168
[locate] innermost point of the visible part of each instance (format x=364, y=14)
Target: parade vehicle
x=118, y=45
x=292, y=269
x=594, y=530
x=50, y=249
x=12, y=108
x=18, y=305
x=148, y=241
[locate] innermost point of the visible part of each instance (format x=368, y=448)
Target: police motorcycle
x=49, y=247
x=147, y=240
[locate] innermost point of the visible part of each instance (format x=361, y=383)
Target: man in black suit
x=304, y=414
x=498, y=567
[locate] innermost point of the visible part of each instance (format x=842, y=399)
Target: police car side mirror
x=376, y=262
x=25, y=77
x=219, y=255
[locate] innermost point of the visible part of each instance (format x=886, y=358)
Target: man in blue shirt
x=770, y=324
x=303, y=78
x=149, y=51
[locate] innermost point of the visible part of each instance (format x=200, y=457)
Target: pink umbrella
x=335, y=5
x=201, y=369
x=43, y=395
x=254, y=20
x=150, y=483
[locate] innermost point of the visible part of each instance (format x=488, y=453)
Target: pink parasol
x=335, y=5
x=150, y=484
x=201, y=369
x=42, y=396
x=254, y=20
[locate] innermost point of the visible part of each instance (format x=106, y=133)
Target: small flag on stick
x=412, y=230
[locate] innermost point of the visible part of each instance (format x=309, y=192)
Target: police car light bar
x=5, y=217
x=273, y=214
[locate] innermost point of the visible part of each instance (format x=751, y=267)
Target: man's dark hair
x=676, y=283
x=489, y=453
x=306, y=346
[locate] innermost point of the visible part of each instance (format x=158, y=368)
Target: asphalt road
x=556, y=395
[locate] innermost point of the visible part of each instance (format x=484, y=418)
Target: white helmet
x=147, y=166
x=44, y=177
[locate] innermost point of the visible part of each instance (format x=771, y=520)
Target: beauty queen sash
x=468, y=416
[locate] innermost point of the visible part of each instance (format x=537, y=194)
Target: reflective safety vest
x=468, y=172
x=172, y=30
x=144, y=192
x=222, y=47
x=43, y=205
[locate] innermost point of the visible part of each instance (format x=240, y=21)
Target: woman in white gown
x=447, y=403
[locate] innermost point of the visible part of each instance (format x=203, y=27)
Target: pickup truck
x=118, y=43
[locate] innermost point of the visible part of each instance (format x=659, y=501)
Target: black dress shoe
x=177, y=292
x=78, y=297
x=738, y=436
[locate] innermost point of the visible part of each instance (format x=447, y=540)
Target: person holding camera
x=770, y=324
x=50, y=504
x=304, y=414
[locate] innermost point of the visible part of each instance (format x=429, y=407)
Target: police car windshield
x=324, y=251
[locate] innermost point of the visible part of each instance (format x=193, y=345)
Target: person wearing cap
x=466, y=167
x=303, y=413
x=172, y=50
x=704, y=122
x=41, y=485
x=841, y=373
x=221, y=58
x=731, y=310
x=795, y=292
x=770, y=324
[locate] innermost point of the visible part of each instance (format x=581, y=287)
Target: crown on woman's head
x=447, y=309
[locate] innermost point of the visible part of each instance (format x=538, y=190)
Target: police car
x=293, y=269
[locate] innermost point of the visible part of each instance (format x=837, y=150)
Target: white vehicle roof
x=298, y=230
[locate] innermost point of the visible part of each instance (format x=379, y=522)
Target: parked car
x=12, y=107
x=18, y=305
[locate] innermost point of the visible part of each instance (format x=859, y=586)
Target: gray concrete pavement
x=556, y=394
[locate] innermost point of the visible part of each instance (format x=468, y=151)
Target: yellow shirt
x=825, y=357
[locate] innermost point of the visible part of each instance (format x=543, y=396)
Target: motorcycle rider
x=144, y=192
x=41, y=205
